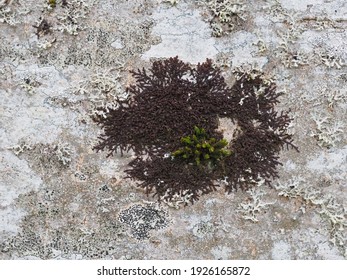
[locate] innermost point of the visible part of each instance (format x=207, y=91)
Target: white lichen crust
x=330, y=210
x=103, y=90
x=225, y=15
x=177, y=200
x=251, y=209
x=327, y=133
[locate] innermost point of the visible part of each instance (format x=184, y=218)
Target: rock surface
x=59, y=199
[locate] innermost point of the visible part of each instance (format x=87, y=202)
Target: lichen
x=262, y=47
x=9, y=13
x=225, y=15
x=177, y=200
x=330, y=60
x=324, y=97
x=143, y=218
x=330, y=210
x=63, y=153
x=254, y=206
x=29, y=84
x=171, y=2
x=70, y=18
x=48, y=155
x=101, y=90
x=204, y=229
x=21, y=147
x=327, y=133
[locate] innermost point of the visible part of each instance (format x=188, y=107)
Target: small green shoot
x=198, y=148
x=52, y=3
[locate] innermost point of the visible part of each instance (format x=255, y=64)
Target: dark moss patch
x=169, y=100
x=43, y=28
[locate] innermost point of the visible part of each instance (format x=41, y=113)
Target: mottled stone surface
x=59, y=199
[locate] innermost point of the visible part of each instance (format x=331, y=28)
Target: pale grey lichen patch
x=183, y=33
x=42, y=80
x=337, y=219
x=287, y=50
x=144, y=218
x=63, y=153
x=297, y=187
x=29, y=85
x=330, y=60
x=93, y=51
x=25, y=245
x=253, y=71
x=137, y=37
x=300, y=43
x=300, y=5
x=106, y=199
x=335, y=9
x=65, y=243
x=8, y=16
x=304, y=249
x=323, y=95
x=32, y=114
x=221, y=252
x=281, y=251
x=224, y=59
x=110, y=167
x=262, y=46
x=89, y=245
x=327, y=252
x=334, y=214
x=204, y=229
x=275, y=11
x=334, y=162
x=17, y=178
x=48, y=231
x=10, y=218
x=171, y=2
x=242, y=48
x=335, y=97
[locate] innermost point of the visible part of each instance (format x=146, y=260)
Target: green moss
x=52, y=3
x=198, y=148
